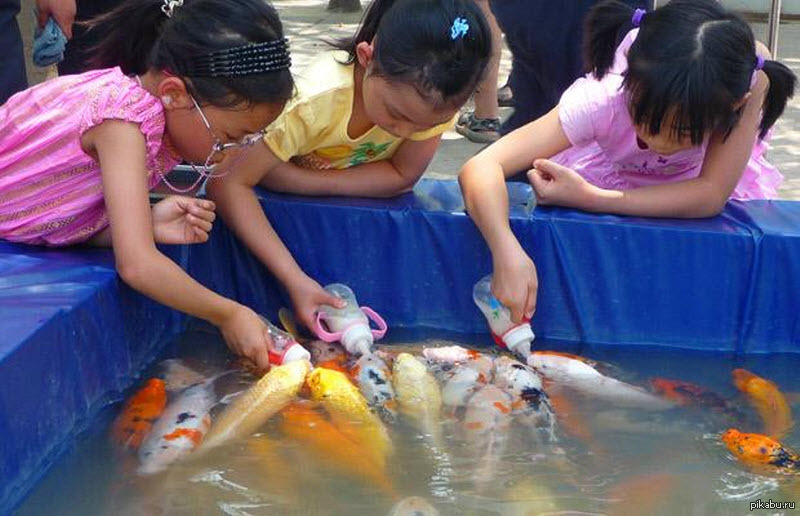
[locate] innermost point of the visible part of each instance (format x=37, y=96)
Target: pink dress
x=51, y=191
x=595, y=118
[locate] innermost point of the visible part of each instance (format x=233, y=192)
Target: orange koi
x=761, y=452
x=768, y=401
x=279, y=472
x=327, y=441
x=688, y=394
x=568, y=417
x=138, y=415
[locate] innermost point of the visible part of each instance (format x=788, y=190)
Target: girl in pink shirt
x=669, y=123
x=78, y=154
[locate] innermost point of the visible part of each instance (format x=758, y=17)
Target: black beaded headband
x=250, y=59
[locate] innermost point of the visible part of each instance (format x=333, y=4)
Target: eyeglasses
x=218, y=146
x=206, y=171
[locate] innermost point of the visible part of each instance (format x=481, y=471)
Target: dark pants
x=79, y=47
x=12, y=56
x=545, y=39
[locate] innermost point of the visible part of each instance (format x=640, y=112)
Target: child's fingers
x=202, y=213
x=539, y=184
x=516, y=307
x=330, y=299
x=197, y=222
x=200, y=235
x=260, y=355
x=530, y=303
x=205, y=204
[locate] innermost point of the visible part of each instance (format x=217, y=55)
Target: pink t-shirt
x=605, y=150
x=51, y=191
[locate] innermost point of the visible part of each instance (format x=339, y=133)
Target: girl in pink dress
x=670, y=123
x=78, y=154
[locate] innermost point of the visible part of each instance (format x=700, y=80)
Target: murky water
x=607, y=459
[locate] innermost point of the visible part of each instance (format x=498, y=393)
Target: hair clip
x=760, y=62
x=169, y=7
x=637, y=17
x=250, y=59
x=459, y=28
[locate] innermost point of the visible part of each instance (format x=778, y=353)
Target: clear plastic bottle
x=516, y=337
x=349, y=324
x=286, y=348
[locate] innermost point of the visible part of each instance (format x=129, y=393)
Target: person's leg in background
x=483, y=124
x=546, y=40
x=79, y=47
x=12, y=54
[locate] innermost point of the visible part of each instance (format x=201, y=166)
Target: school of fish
x=342, y=410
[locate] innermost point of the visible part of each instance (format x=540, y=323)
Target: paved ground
x=309, y=24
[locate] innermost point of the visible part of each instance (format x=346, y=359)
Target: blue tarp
x=73, y=337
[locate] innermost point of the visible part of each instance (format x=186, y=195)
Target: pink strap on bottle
x=327, y=336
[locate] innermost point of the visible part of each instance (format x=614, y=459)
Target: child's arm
x=239, y=207
x=120, y=150
x=482, y=181
x=385, y=178
x=703, y=196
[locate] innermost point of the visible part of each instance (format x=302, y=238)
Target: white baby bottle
x=516, y=337
x=286, y=349
x=350, y=324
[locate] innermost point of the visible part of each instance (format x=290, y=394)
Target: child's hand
x=182, y=220
x=559, y=185
x=247, y=336
x=306, y=297
x=514, y=282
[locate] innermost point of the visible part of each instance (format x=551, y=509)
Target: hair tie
x=636, y=19
x=169, y=7
x=459, y=28
x=759, y=62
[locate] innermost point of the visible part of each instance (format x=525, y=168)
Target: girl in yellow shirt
x=366, y=121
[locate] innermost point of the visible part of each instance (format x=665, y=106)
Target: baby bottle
x=350, y=324
x=515, y=337
x=286, y=348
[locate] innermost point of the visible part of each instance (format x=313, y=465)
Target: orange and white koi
x=138, y=415
x=179, y=430
x=374, y=379
x=530, y=403
x=464, y=378
x=486, y=424
x=450, y=354
x=761, y=452
x=459, y=384
x=316, y=433
x=768, y=401
x=579, y=375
